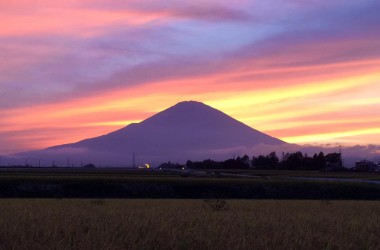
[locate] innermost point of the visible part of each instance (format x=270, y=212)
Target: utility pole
x=134, y=160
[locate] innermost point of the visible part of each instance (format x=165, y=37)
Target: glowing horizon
x=71, y=70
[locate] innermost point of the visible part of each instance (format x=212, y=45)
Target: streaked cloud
x=301, y=72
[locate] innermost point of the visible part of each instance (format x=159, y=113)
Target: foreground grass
x=188, y=224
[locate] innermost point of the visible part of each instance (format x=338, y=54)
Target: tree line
x=287, y=161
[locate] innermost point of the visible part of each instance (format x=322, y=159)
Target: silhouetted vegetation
x=289, y=161
x=169, y=165
x=238, y=163
x=90, y=165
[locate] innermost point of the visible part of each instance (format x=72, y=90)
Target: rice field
x=188, y=224
x=175, y=184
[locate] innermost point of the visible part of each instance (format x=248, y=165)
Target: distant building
x=366, y=166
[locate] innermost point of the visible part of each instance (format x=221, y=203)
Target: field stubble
x=188, y=224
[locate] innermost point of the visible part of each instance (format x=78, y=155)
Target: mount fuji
x=186, y=131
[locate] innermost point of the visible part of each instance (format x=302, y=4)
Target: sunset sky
x=306, y=72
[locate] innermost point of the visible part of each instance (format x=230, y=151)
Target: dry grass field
x=188, y=224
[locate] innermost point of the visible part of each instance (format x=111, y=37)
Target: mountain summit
x=186, y=131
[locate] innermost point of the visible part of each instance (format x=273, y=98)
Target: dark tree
x=90, y=165
x=334, y=160
x=273, y=160
x=169, y=165
x=319, y=161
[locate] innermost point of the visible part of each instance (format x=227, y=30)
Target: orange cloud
x=303, y=113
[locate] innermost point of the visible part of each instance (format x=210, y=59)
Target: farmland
x=68, y=208
x=188, y=224
x=124, y=183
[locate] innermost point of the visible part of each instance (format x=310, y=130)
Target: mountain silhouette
x=186, y=131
